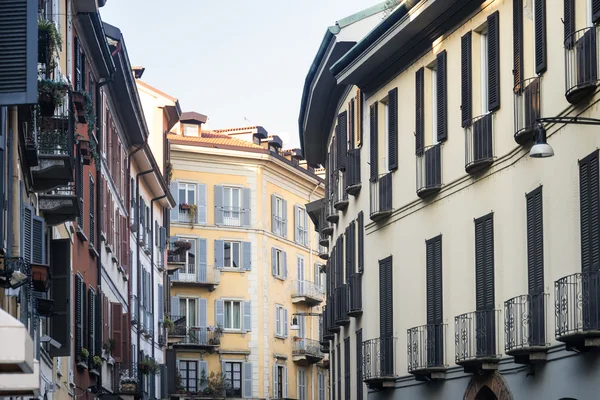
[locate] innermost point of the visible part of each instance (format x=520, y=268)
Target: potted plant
x=183, y=245
x=128, y=384
x=49, y=42
x=109, y=346
x=184, y=206
x=51, y=94
x=193, y=212
x=40, y=277
x=84, y=354
x=168, y=324
x=96, y=365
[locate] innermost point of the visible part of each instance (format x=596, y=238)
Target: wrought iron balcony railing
x=429, y=171
x=233, y=216
x=525, y=324
x=476, y=339
x=307, y=291
x=581, y=64
x=201, y=274
x=60, y=205
x=197, y=336
x=353, y=182
x=126, y=379
x=342, y=304
x=340, y=196
x=381, y=197
x=479, y=143
x=355, y=295
x=175, y=258
x=527, y=108
x=162, y=334
x=331, y=213
x=325, y=320
x=332, y=313
x=379, y=359
x=325, y=227
x=427, y=348
x=134, y=310
x=307, y=347
x=577, y=307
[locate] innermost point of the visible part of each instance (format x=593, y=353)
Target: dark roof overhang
x=90, y=32
x=314, y=210
x=172, y=113
x=193, y=117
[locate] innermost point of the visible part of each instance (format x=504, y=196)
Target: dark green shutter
x=361, y=241
x=484, y=262
x=79, y=317
x=518, y=42
x=569, y=22
x=386, y=305
x=442, y=97
x=339, y=373
x=359, y=365
x=420, y=111
x=494, y=61
x=92, y=205
x=434, y=280
x=373, y=141
x=342, y=140
x=589, y=198
x=535, y=242
x=595, y=11
x=393, y=129
x=466, y=77
x=60, y=289
x=91, y=326
x=347, y=364
x=540, y=36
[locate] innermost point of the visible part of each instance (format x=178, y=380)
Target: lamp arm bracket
x=570, y=120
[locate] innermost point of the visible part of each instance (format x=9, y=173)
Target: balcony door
x=535, y=268
x=188, y=272
x=434, y=331
x=231, y=206
x=189, y=309
x=485, y=323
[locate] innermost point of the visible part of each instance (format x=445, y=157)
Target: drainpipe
x=152, y=254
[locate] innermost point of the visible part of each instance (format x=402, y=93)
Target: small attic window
x=190, y=130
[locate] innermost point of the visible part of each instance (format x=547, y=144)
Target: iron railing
x=307, y=288
x=325, y=318
x=233, y=216
x=198, y=274
x=179, y=325
x=331, y=213
x=426, y=347
x=355, y=294
x=340, y=196
x=475, y=336
x=325, y=227
x=353, y=183
x=309, y=347
x=527, y=108
x=525, y=322
x=581, y=63
x=331, y=313
x=479, y=142
x=162, y=334
x=577, y=304
x=197, y=336
x=342, y=304
x=381, y=196
x=175, y=258
x=126, y=379
x=379, y=358
x=429, y=169
x=55, y=134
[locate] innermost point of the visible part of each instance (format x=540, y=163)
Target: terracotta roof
x=245, y=128
x=216, y=139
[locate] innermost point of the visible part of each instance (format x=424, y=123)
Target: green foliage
x=96, y=362
x=52, y=91
x=84, y=353
x=55, y=40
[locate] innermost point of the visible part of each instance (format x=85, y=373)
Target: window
x=301, y=226
x=189, y=269
x=386, y=135
x=232, y=256
x=187, y=193
x=188, y=309
x=302, y=384
x=190, y=130
x=434, y=108
x=278, y=227
x=281, y=316
x=231, y=206
x=92, y=208
x=279, y=383
x=233, y=377
x=279, y=263
x=321, y=385
x=233, y=315
x=189, y=375
x=484, y=73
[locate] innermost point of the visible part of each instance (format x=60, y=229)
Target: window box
x=40, y=277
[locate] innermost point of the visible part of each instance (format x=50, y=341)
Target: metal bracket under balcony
x=306, y=352
x=342, y=305
x=577, y=310
x=340, y=196
x=206, y=276
x=381, y=197
x=427, y=352
x=379, y=363
x=525, y=328
x=307, y=292
x=353, y=183
x=59, y=206
x=581, y=64
x=355, y=295
x=479, y=143
x=476, y=340
x=429, y=171
x=527, y=109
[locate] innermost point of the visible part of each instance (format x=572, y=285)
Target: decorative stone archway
x=492, y=381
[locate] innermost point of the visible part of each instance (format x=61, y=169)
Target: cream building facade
x=482, y=260
x=243, y=264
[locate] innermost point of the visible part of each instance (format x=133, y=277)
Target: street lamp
x=541, y=148
x=294, y=326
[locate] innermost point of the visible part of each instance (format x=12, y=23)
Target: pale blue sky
x=232, y=59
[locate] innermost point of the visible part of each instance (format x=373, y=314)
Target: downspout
x=310, y=262
x=152, y=256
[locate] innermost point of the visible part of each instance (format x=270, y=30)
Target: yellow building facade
x=242, y=265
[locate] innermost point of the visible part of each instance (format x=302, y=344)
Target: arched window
x=486, y=394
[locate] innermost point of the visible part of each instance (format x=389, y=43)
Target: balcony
x=332, y=328
x=324, y=335
x=162, y=334
x=429, y=171
x=54, y=142
x=355, y=295
x=577, y=310
x=134, y=310
x=195, y=337
x=175, y=260
x=234, y=216
x=126, y=379
x=207, y=276
x=307, y=292
x=427, y=351
x=527, y=109
x=323, y=239
x=476, y=340
x=381, y=197
x=331, y=213
x=479, y=143
x=342, y=305
x=353, y=182
x=525, y=328
x=306, y=352
x=581, y=64
x=379, y=363
x=323, y=253
x=59, y=206
x=325, y=227
x=340, y=196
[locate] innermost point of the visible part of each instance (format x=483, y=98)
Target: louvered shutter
x=278, y=312
x=246, y=205
x=38, y=240
x=201, y=204
x=540, y=37
x=273, y=261
x=201, y=250
x=434, y=281
x=342, y=140
x=284, y=224
x=595, y=11
x=126, y=341
x=359, y=366
x=218, y=196
x=105, y=320
x=247, y=256
x=78, y=315
x=247, y=383
x=393, y=129
x=27, y=214
x=161, y=303
x=285, y=382
x=589, y=198
x=373, y=150
x=274, y=215
x=466, y=84
x=386, y=298
x=220, y=312
x=518, y=43
x=60, y=286
x=203, y=371
x=116, y=311
x=359, y=118
x=347, y=364
x=174, y=212
x=285, y=322
x=361, y=241
x=275, y=382
x=175, y=308
x=91, y=346
x=219, y=254
x=297, y=224
x=351, y=125
x=420, y=111
x=284, y=262
x=484, y=262
x=3, y=178
x=442, y=97
x=247, y=325
x=535, y=242
x=494, y=61
x=18, y=59
x=348, y=255
x=569, y=22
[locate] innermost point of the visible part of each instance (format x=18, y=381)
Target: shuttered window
x=484, y=262
x=92, y=205
x=347, y=364
x=595, y=11
x=393, y=129
x=359, y=365
x=589, y=197
x=535, y=242
x=419, y=111
x=332, y=379
x=434, y=280
x=79, y=314
x=342, y=141
x=92, y=322
x=540, y=36
x=569, y=21
x=466, y=84
x=386, y=305
x=493, y=68
x=80, y=190
x=373, y=134
x=339, y=373
x=116, y=311
x=518, y=42
x=360, y=221
x=60, y=264
x=351, y=125
x=359, y=118
x=442, y=97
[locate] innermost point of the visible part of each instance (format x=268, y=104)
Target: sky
x=238, y=62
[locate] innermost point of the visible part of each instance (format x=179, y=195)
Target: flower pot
x=47, y=105
x=45, y=307
x=184, y=206
x=43, y=46
x=40, y=277
x=79, y=103
x=129, y=387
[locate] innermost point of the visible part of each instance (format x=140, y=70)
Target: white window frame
x=186, y=269
x=280, y=329
x=188, y=128
x=279, y=215
x=279, y=263
x=280, y=381
x=485, y=85
x=434, y=110
x=232, y=216
x=188, y=187
x=301, y=384
x=231, y=259
x=232, y=301
x=186, y=313
x=302, y=230
x=386, y=135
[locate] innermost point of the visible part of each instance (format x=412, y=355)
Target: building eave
x=90, y=31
